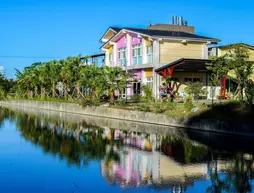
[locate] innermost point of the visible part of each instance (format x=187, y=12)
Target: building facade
x=142, y=51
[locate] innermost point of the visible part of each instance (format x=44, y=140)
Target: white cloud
x=1, y=68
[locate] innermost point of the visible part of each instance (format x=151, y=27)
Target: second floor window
x=110, y=59
x=137, y=54
x=149, y=51
x=122, y=56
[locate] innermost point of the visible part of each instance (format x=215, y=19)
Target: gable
x=109, y=34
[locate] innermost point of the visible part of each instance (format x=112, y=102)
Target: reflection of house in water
x=139, y=165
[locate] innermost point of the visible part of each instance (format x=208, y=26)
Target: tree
x=115, y=80
x=196, y=90
x=249, y=92
x=91, y=77
x=241, y=66
x=218, y=68
x=54, y=75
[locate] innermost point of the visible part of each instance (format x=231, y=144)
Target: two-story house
x=151, y=53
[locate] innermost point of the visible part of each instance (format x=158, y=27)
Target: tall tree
x=115, y=80
x=241, y=66
x=92, y=78
x=218, y=67
x=54, y=75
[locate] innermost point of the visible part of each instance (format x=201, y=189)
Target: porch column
x=156, y=62
x=223, y=86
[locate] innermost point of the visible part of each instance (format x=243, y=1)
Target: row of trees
x=70, y=79
x=237, y=63
x=6, y=86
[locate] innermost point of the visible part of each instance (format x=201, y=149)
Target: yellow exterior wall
x=181, y=84
x=148, y=73
x=226, y=50
x=171, y=51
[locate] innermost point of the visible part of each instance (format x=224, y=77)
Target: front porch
x=188, y=70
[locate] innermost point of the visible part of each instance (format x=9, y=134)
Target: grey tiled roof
x=164, y=33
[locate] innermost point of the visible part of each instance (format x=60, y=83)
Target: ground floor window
x=136, y=88
x=192, y=80
x=123, y=93
x=175, y=79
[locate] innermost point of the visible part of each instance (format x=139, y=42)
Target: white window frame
x=149, y=54
x=122, y=59
x=137, y=54
x=149, y=82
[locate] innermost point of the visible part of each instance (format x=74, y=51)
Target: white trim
x=150, y=39
x=184, y=41
x=106, y=33
x=189, y=40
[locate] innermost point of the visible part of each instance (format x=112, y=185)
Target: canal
x=44, y=152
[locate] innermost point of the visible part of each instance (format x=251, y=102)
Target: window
x=192, y=80
x=136, y=88
x=175, y=79
x=196, y=79
x=149, y=82
x=122, y=57
x=110, y=59
x=137, y=54
x=149, y=51
x=123, y=92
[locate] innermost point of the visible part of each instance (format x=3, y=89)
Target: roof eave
x=178, y=61
x=110, y=28
x=188, y=39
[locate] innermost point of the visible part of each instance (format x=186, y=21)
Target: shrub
x=144, y=107
x=249, y=92
x=89, y=101
x=159, y=107
x=170, y=105
x=196, y=90
x=136, y=98
x=121, y=102
x=148, y=92
x=188, y=104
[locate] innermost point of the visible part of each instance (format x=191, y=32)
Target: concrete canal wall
x=136, y=116
x=99, y=121
x=105, y=112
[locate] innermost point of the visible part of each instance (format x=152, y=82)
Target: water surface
x=49, y=154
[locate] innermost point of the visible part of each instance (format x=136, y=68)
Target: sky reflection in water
x=42, y=155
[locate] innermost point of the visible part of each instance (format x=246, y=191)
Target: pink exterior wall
x=121, y=43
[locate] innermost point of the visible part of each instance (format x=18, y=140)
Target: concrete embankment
x=136, y=116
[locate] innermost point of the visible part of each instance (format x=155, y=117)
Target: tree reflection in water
x=133, y=159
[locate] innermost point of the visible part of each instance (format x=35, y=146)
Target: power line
x=32, y=57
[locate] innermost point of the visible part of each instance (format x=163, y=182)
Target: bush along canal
x=51, y=153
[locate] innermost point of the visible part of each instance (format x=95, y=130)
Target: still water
x=39, y=154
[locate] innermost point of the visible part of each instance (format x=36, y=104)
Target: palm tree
x=54, y=75
x=91, y=77
x=115, y=80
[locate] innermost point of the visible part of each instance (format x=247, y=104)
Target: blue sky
x=61, y=28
